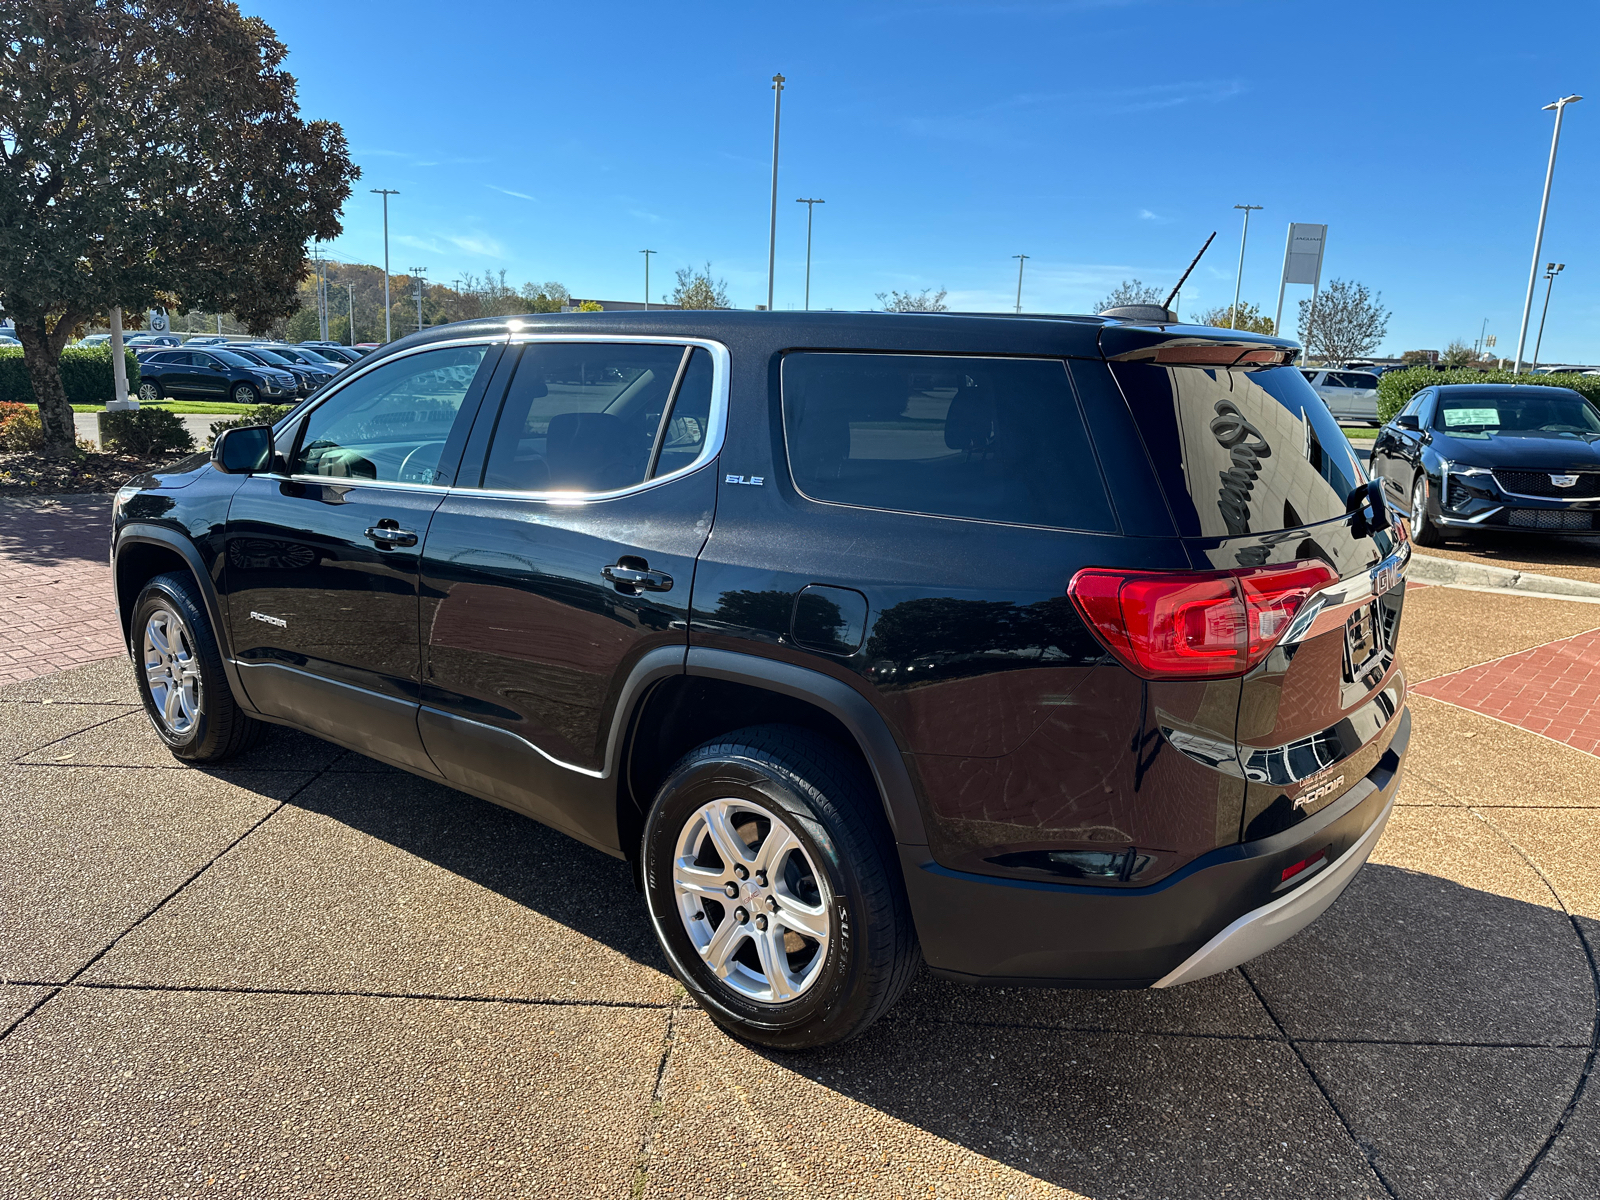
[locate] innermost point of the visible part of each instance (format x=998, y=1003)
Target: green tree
x=1348, y=322
x=926, y=300
x=697, y=289
x=1249, y=318
x=151, y=153
x=1131, y=291
x=1458, y=354
x=545, y=297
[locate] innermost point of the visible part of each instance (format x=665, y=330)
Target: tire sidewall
x=826, y=1004
x=164, y=592
x=155, y=390
x=238, y=394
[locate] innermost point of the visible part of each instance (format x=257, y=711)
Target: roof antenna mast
x=1174, y=293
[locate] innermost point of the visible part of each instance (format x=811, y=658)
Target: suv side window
x=588, y=417
x=990, y=439
x=390, y=425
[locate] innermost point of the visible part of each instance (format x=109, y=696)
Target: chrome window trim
x=721, y=369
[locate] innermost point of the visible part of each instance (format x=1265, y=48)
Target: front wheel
x=149, y=391
x=774, y=888
x=1423, y=531
x=180, y=676
x=243, y=393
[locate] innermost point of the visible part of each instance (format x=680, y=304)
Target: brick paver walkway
x=1552, y=690
x=56, y=607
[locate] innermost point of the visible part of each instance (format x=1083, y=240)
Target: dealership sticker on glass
x=1471, y=416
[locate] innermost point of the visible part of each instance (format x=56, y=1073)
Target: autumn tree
x=697, y=289
x=926, y=300
x=151, y=152
x=1131, y=291
x=1346, y=321
x=1249, y=318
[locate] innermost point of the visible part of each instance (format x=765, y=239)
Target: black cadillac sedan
x=1493, y=456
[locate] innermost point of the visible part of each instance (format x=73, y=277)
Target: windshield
x=312, y=355
x=276, y=360
x=1529, y=409
x=232, y=359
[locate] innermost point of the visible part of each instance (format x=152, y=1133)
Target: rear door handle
x=392, y=536
x=637, y=579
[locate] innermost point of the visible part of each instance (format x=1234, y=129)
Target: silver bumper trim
x=1263, y=928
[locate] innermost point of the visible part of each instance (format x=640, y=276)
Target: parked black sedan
x=1493, y=456
x=211, y=374
x=306, y=381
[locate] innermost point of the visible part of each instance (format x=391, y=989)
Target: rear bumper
x=1221, y=910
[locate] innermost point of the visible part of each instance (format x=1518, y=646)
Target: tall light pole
x=1538, y=238
x=810, y=208
x=647, y=254
x=1551, y=270
x=1022, y=260
x=1233, y=313
x=416, y=273
x=352, y=289
x=772, y=230
x=1478, y=348
x=388, y=334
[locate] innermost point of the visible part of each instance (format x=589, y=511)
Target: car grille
x=1549, y=518
x=1537, y=483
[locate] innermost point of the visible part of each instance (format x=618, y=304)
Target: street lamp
x=647, y=254
x=772, y=230
x=1538, y=238
x=1233, y=313
x=1551, y=270
x=416, y=273
x=1022, y=260
x=352, y=288
x=810, y=208
x=388, y=334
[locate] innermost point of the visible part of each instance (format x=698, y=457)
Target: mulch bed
x=30, y=474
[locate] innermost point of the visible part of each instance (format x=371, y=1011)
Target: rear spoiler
x=1195, y=346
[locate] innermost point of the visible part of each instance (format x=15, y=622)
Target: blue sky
x=1104, y=138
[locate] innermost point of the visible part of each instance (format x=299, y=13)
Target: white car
x=1349, y=395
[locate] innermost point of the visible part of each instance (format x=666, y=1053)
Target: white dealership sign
x=1302, y=263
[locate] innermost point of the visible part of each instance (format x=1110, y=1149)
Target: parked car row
x=244, y=372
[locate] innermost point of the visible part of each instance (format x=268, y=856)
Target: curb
x=1450, y=572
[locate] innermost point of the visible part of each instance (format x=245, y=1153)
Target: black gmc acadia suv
x=1047, y=650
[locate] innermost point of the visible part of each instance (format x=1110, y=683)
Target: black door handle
x=389, y=532
x=631, y=579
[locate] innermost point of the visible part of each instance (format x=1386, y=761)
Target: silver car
x=1349, y=395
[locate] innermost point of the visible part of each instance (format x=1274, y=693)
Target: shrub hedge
x=85, y=373
x=20, y=427
x=1396, y=387
x=144, y=432
x=259, y=414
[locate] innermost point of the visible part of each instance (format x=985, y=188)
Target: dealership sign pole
x=1302, y=263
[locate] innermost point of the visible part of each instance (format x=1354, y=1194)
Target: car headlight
x=1464, y=471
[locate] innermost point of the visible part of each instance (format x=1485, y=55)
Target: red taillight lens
x=1194, y=624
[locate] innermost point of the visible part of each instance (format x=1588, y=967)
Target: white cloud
x=508, y=192
x=416, y=243
x=486, y=246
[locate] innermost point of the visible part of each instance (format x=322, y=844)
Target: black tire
x=149, y=391
x=244, y=393
x=1423, y=531
x=825, y=799
x=213, y=727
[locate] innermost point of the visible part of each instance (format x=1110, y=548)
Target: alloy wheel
x=1419, y=507
x=149, y=393
x=752, y=901
x=172, y=670
x=245, y=394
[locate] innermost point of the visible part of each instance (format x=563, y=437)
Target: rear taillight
x=1194, y=624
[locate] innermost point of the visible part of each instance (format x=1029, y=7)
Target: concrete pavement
x=308, y=975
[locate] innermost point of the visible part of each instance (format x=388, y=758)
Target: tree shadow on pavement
x=52, y=532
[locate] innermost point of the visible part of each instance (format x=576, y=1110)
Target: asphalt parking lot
x=308, y=975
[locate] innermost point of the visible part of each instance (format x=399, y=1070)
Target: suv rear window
x=1241, y=452
x=989, y=439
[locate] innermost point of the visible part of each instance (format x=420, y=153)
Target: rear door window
x=1241, y=452
x=989, y=439
x=588, y=417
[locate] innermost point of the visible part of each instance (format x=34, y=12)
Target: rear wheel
x=180, y=676
x=1423, y=531
x=773, y=886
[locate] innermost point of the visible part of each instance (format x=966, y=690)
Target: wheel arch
x=144, y=551
x=719, y=691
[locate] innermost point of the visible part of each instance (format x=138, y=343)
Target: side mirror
x=1407, y=421
x=242, y=451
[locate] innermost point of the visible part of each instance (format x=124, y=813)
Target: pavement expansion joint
x=1366, y=1154
x=356, y=994
x=658, y=1106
